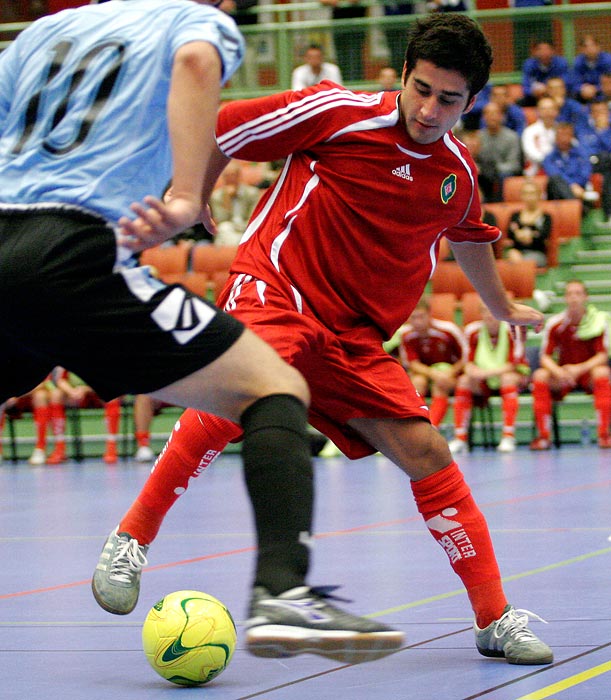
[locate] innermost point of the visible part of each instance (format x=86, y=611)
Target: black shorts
x=65, y=302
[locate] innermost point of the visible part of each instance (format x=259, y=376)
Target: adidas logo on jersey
x=404, y=172
x=182, y=314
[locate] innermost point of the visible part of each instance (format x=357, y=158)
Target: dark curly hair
x=452, y=41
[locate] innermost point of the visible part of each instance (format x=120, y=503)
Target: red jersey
x=351, y=227
x=560, y=338
x=443, y=342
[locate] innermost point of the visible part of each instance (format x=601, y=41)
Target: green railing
x=277, y=40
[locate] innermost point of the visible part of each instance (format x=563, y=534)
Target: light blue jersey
x=83, y=96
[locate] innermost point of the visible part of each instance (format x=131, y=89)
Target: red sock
x=439, y=406
x=41, y=420
x=542, y=406
x=143, y=438
x=196, y=441
x=509, y=396
x=58, y=421
x=112, y=416
x=463, y=403
x=602, y=404
x=455, y=521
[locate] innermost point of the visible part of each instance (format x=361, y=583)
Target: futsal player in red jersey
x=574, y=355
x=335, y=258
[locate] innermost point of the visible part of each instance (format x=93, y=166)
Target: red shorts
x=344, y=384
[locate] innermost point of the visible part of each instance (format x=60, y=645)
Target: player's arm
x=478, y=263
x=192, y=109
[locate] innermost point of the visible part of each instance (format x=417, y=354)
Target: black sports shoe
x=301, y=621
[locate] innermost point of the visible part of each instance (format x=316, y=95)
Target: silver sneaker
x=116, y=580
x=300, y=621
x=509, y=637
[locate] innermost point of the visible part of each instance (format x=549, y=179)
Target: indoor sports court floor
x=551, y=522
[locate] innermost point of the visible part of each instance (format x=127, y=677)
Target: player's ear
x=470, y=104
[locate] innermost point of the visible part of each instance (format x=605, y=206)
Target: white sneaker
x=457, y=446
x=144, y=454
x=507, y=444
x=38, y=457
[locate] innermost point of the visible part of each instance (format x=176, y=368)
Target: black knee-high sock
x=279, y=478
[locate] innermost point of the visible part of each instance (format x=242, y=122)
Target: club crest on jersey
x=403, y=171
x=448, y=188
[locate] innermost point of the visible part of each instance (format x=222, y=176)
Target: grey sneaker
x=116, y=580
x=510, y=637
x=300, y=621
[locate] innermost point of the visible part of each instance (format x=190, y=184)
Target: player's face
x=432, y=101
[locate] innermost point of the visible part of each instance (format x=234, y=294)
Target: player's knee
x=291, y=381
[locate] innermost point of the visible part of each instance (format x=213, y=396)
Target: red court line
x=322, y=535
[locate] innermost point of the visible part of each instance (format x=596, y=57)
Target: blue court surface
x=550, y=519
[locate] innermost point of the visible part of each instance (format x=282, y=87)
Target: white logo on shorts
x=184, y=315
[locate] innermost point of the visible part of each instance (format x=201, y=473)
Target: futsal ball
x=189, y=637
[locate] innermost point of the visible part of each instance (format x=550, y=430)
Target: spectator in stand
x=433, y=353
x=70, y=390
x=568, y=167
x=231, y=204
x=542, y=65
x=539, y=137
x=513, y=115
x=588, y=66
x=574, y=355
x=500, y=152
x=526, y=32
x=496, y=364
x=605, y=88
x=349, y=41
x=387, y=79
x=569, y=110
x=447, y=5
x=595, y=139
x=529, y=228
x=314, y=69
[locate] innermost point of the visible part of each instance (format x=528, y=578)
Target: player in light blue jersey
x=99, y=107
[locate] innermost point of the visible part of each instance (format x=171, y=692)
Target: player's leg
x=463, y=404
x=57, y=411
x=454, y=520
x=112, y=418
x=601, y=388
x=542, y=408
x=144, y=412
x=509, y=406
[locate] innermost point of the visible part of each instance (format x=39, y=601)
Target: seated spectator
x=314, y=69
x=595, y=139
x=605, y=88
x=574, y=355
x=388, y=79
x=69, y=390
x=569, y=110
x=496, y=364
x=542, y=65
x=500, y=153
x=433, y=353
x=589, y=64
x=472, y=140
x=539, y=137
x=513, y=115
x=529, y=228
x=231, y=204
x=395, y=34
x=568, y=167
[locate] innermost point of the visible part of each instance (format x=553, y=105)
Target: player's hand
x=521, y=315
x=157, y=221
